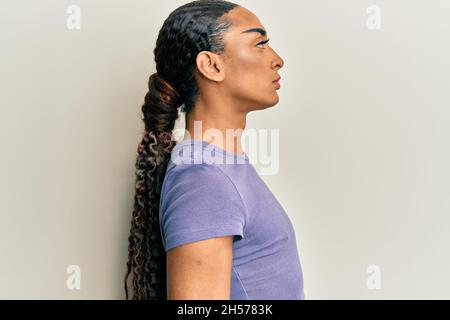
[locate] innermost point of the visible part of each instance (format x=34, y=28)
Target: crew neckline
x=203, y=143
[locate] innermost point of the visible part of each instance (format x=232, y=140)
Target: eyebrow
x=259, y=30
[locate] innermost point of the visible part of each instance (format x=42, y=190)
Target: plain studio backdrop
x=363, y=142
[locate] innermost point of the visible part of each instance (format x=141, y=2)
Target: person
x=203, y=228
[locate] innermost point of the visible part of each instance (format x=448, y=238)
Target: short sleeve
x=199, y=201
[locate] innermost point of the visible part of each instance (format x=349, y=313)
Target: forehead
x=241, y=20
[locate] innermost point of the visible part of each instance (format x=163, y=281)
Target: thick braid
x=191, y=28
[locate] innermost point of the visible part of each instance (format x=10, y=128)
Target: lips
x=276, y=82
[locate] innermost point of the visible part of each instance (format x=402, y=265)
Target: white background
x=364, y=152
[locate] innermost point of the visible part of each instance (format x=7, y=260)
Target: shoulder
x=187, y=177
x=199, y=201
x=200, y=188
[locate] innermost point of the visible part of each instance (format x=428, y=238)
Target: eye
x=263, y=42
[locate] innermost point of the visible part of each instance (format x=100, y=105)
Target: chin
x=267, y=105
x=269, y=102
x=274, y=101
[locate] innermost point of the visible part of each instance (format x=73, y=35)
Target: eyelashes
x=263, y=42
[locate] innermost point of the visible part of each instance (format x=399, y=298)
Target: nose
x=278, y=62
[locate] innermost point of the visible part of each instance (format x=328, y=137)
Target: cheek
x=246, y=74
x=244, y=65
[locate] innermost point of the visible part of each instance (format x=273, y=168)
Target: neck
x=211, y=125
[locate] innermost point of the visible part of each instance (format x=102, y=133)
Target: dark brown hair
x=194, y=27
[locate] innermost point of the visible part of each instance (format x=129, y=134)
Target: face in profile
x=249, y=65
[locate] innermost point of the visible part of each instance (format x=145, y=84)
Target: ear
x=210, y=65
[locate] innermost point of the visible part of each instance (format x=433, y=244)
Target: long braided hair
x=194, y=27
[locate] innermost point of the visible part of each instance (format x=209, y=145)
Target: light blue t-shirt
x=210, y=192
